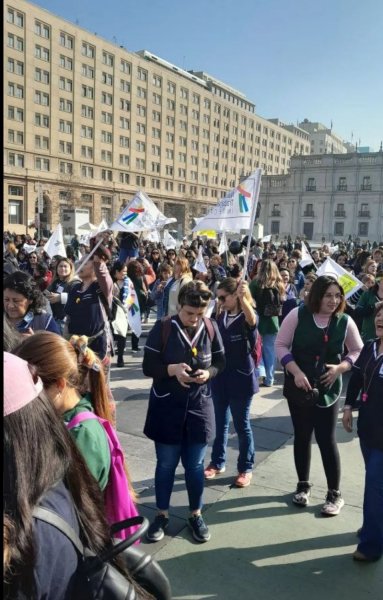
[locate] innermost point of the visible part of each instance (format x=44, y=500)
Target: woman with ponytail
x=75, y=382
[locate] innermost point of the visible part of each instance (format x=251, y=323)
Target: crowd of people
x=221, y=329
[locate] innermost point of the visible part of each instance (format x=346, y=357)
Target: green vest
x=307, y=347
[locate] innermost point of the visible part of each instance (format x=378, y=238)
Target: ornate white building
x=331, y=196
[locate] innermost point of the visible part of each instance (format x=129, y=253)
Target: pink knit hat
x=19, y=387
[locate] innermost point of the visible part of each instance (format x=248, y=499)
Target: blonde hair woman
x=268, y=292
x=181, y=276
x=58, y=290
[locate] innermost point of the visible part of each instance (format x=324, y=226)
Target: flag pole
x=89, y=255
x=257, y=184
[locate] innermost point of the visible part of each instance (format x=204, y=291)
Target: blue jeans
x=127, y=253
x=268, y=357
x=168, y=457
x=240, y=410
x=371, y=537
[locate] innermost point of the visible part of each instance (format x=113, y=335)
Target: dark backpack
x=256, y=350
x=166, y=327
x=98, y=578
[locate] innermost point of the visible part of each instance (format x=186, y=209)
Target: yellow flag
x=209, y=233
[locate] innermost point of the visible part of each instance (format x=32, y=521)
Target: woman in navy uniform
x=234, y=388
x=182, y=354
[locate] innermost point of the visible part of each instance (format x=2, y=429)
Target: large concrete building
x=92, y=123
x=322, y=139
x=331, y=196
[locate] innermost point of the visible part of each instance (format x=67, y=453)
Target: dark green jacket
x=365, y=309
x=266, y=324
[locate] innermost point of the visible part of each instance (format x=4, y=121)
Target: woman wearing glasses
x=234, y=387
x=182, y=354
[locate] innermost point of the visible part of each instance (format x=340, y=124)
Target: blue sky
x=296, y=59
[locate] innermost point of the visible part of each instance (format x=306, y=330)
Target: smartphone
x=193, y=374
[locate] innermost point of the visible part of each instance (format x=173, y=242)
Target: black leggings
x=323, y=421
x=121, y=341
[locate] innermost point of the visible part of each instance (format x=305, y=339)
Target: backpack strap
x=105, y=305
x=51, y=517
x=166, y=327
x=86, y=415
x=210, y=328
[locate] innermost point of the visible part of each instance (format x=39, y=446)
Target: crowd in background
x=158, y=274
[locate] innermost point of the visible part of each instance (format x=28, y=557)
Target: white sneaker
x=334, y=503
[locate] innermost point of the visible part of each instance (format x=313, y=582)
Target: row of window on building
x=340, y=211
x=89, y=51
x=311, y=186
x=339, y=229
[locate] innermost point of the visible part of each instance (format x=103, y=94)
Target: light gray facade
x=331, y=196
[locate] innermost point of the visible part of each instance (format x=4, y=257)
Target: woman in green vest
x=311, y=347
x=366, y=306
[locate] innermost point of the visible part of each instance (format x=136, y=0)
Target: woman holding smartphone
x=182, y=354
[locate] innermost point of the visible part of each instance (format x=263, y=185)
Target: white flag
x=29, y=248
x=235, y=210
x=199, y=264
x=306, y=257
x=153, y=236
x=169, y=241
x=349, y=282
x=223, y=246
x=141, y=215
x=55, y=245
x=333, y=249
x=266, y=238
x=133, y=307
x=85, y=239
x=102, y=227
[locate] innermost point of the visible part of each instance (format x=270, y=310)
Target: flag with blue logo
x=237, y=209
x=141, y=215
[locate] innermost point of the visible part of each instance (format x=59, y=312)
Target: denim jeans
x=168, y=457
x=127, y=253
x=240, y=410
x=268, y=357
x=371, y=537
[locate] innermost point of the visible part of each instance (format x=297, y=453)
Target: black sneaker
x=199, y=528
x=157, y=529
x=120, y=363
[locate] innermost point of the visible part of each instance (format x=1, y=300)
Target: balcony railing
x=309, y=213
x=275, y=213
x=366, y=188
x=342, y=188
x=340, y=213
x=311, y=188
x=364, y=213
